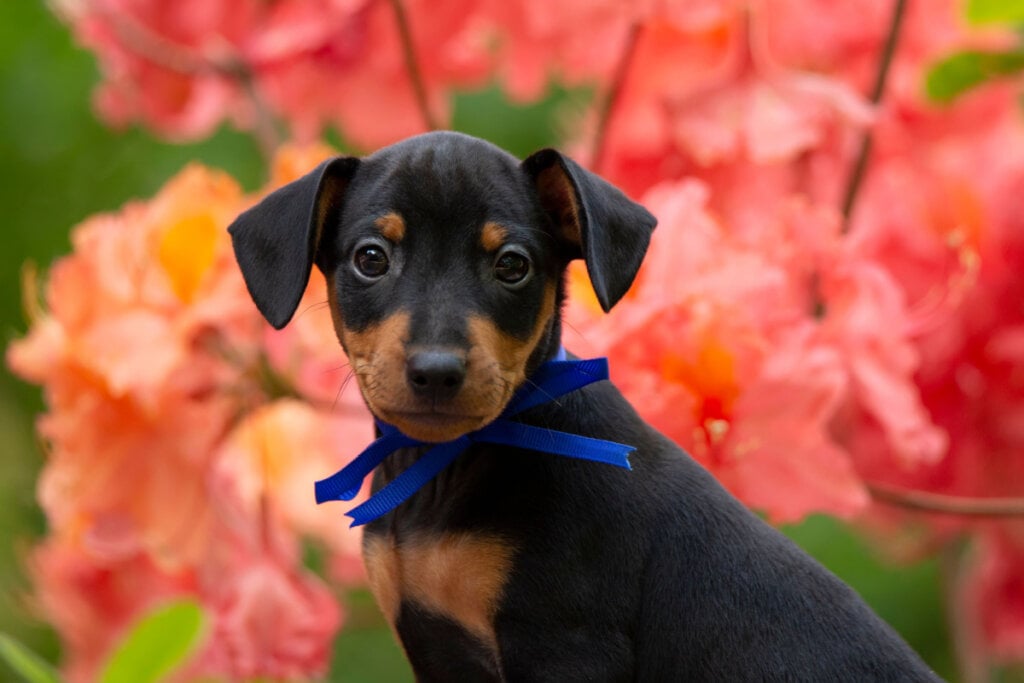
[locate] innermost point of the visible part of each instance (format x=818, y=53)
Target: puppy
x=445, y=262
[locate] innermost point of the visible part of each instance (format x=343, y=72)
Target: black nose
x=435, y=374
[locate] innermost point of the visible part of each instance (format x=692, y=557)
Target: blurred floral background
x=831, y=317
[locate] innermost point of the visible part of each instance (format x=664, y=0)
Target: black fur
x=657, y=574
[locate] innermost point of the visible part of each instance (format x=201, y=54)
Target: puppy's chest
x=458, y=576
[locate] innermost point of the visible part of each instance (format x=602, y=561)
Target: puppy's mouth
x=432, y=426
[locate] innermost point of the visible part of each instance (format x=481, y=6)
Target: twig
x=268, y=137
x=412, y=65
x=945, y=504
x=970, y=661
x=860, y=165
x=183, y=60
x=607, y=109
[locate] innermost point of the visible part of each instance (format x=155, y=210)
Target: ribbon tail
x=508, y=433
x=408, y=482
x=346, y=482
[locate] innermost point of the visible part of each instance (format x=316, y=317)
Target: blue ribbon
x=552, y=380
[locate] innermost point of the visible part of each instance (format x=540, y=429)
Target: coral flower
x=127, y=356
x=715, y=348
x=273, y=622
x=269, y=462
x=174, y=456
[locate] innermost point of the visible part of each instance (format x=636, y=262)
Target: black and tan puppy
x=445, y=260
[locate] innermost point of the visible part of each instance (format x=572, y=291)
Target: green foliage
x=159, y=643
x=518, y=128
x=909, y=597
x=962, y=71
x=995, y=11
x=366, y=651
x=26, y=663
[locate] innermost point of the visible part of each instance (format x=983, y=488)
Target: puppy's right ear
x=276, y=240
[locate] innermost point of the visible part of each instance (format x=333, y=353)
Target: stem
x=412, y=65
x=32, y=299
x=182, y=60
x=155, y=48
x=860, y=164
x=268, y=137
x=611, y=99
x=970, y=662
x=950, y=505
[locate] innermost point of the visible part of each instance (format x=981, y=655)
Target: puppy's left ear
x=276, y=241
x=599, y=224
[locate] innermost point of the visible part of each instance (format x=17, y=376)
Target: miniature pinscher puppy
x=445, y=262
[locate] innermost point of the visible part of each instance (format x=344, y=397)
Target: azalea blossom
x=805, y=357
x=185, y=67
x=163, y=395
x=714, y=347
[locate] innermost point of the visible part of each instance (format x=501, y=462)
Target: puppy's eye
x=511, y=267
x=371, y=261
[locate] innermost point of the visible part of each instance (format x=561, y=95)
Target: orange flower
x=91, y=603
x=125, y=354
x=274, y=455
x=171, y=465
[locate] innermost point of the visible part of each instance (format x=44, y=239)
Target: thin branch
x=925, y=501
x=412, y=65
x=611, y=100
x=181, y=59
x=153, y=47
x=881, y=77
x=970, y=659
x=268, y=137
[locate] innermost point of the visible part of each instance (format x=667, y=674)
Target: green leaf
x=159, y=643
x=30, y=666
x=995, y=11
x=960, y=72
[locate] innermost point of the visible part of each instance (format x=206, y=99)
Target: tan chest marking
x=460, y=576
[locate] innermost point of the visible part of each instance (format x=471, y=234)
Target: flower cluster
x=182, y=436
x=808, y=349
x=810, y=355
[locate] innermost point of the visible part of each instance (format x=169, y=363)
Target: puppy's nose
x=436, y=374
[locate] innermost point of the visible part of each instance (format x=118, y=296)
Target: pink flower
x=994, y=592
x=270, y=461
x=574, y=41
x=92, y=603
x=272, y=622
x=715, y=347
x=699, y=95
x=184, y=67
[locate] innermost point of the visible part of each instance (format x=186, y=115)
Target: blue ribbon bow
x=552, y=380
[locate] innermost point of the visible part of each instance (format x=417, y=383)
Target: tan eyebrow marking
x=391, y=226
x=493, y=236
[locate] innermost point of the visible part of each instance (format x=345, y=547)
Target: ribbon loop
x=552, y=380
x=345, y=483
x=408, y=482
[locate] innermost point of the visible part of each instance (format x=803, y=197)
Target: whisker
x=341, y=390
x=575, y=331
x=313, y=307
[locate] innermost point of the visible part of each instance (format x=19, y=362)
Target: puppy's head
x=444, y=258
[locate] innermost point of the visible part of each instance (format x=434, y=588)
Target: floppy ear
x=604, y=227
x=276, y=240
